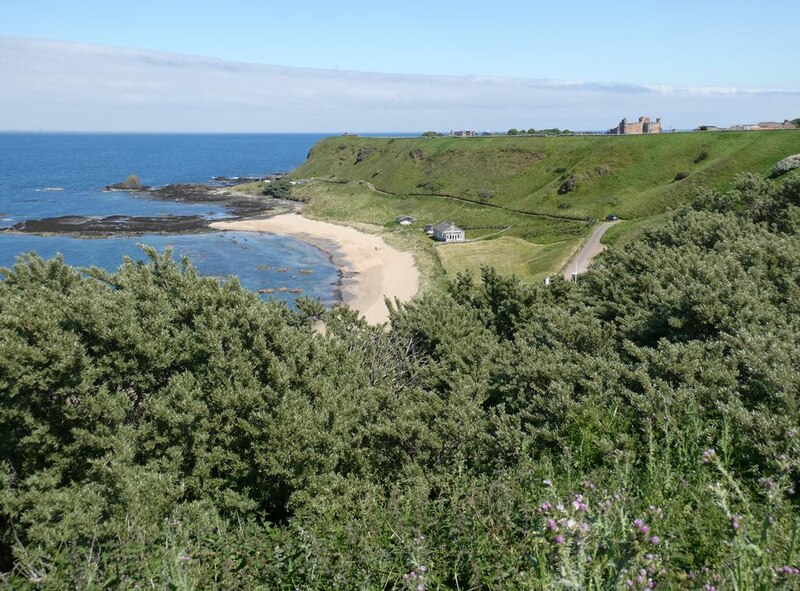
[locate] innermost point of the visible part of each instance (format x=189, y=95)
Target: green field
x=521, y=182
x=508, y=255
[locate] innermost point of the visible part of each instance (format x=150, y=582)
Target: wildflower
x=552, y=525
x=184, y=558
x=629, y=583
x=423, y=568
x=638, y=522
x=588, y=485
x=767, y=483
x=545, y=508
x=655, y=540
x=405, y=577
x=709, y=455
x=420, y=587
x=735, y=521
x=559, y=539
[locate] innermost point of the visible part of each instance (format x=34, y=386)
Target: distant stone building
x=448, y=232
x=643, y=125
x=464, y=133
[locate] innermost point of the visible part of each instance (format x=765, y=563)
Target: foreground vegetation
x=633, y=430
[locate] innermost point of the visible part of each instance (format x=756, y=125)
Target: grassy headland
x=542, y=188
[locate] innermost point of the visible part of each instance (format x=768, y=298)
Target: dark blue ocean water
x=80, y=165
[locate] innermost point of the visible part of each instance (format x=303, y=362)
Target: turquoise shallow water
x=81, y=164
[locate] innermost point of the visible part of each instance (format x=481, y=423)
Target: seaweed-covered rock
x=132, y=183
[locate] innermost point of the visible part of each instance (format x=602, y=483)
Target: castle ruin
x=643, y=125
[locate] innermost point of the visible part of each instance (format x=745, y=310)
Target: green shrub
x=280, y=189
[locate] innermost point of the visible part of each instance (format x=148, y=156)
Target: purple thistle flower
x=559, y=539
x=423, y=568
x=645, y=529
x=545, y=507
x=655, y=540
x=735, y=521
x=638, y=522
x=405, y=577
x=629, y=583
x=709, y=455
x=552, y=525
x=420, y=587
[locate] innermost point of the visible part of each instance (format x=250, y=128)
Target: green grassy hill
x=635, y=176
x=520, y=183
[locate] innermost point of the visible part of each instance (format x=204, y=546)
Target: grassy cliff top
x=491, y=186
x=575, y=176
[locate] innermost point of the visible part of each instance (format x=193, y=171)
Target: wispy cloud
x=71, y=86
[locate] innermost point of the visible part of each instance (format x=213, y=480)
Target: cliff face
x=635, y=176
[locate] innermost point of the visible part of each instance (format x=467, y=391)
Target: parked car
x=611, y=217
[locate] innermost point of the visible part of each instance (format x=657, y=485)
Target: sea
x=57, y=174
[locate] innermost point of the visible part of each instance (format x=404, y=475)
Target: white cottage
x=448, y=232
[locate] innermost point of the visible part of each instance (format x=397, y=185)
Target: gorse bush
x=786, y=165
x=637, y=429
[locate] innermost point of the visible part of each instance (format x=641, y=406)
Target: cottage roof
x=446, y=226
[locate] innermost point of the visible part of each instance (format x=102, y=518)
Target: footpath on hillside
x=593, y=247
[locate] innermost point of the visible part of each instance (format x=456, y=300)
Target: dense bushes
x=637, y=428
x=279, y=188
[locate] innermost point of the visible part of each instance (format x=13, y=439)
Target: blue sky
x=653, y=48
x=677, y=42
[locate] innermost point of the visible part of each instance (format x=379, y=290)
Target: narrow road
x=591, y=249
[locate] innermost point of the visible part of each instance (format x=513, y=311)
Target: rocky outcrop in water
x=239, y=205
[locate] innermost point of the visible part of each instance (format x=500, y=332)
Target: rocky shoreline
x=239, y=205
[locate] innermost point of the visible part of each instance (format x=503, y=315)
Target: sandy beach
x=371, y=269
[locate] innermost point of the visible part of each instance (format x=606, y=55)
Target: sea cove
x=46, y=176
